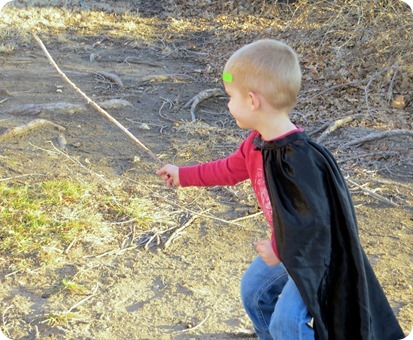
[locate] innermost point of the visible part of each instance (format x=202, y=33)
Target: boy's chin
x=240, y=125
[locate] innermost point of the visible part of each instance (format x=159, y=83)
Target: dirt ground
x=189, y=290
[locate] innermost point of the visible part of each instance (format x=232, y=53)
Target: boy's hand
x=170, y=174
x=265, y=251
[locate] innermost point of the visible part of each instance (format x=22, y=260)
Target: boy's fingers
x=170, y=183
x=160, y=172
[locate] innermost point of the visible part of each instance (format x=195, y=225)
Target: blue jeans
x=274, y=304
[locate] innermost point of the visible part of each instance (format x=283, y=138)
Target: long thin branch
x=197, y=213
x=92, y=103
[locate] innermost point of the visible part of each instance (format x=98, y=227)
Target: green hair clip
x=227, y=77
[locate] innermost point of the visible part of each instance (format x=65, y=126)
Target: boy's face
x=240, y=106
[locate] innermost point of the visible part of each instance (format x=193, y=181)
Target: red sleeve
x=226, y=171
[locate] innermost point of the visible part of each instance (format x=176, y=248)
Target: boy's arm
x=226, y=171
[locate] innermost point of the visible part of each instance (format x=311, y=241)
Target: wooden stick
x=372, y=193
x=247, y=217
x=84, y=300
x=92, y=103
x=177, y=231
x=198, y=214
x=193, y=328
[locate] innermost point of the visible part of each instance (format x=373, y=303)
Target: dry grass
x=39, y=222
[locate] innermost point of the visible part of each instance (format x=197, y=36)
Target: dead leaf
x=398, y=103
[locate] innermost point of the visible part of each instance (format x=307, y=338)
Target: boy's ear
x=254, y=100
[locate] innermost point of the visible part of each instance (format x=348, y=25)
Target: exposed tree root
x=379, y=135
x=22, y=129
x=337, y=124
x=69, y=108
x=166, y=77
x=36, y=109
x=201, y=96
x=111, y=77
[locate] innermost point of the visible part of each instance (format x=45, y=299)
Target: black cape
x=317, y=239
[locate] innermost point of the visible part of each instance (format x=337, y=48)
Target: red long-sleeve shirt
x=245, y=163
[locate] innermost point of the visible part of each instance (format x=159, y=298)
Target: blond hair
x=270, y=68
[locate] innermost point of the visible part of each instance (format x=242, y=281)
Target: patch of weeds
x=65, y=285
x=71, y=287
x=60, y=318
x=39, y=221
x=35, y=218
x=141, y=210
x=6, y=48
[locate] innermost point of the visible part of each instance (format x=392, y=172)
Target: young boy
x=311, y=280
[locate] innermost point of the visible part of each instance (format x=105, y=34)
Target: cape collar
x=261, y=144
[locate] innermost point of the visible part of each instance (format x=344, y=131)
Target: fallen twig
x=193, y=328
x=379, y=135
x=386, y=182
x=199, y=214
x=165, y=101
x=247, y=217
x=22, y=129
x=4, y=319
x=366, y=88
x=390, y=89
x=173, y=236
x=201, y=96
x=92, y=103
x=339, y=86
x=337, y=124
x=84, y=300
x=371, y=154
x=101, y=177
x=147, y=240
x=372, y=193
x=66, y=251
